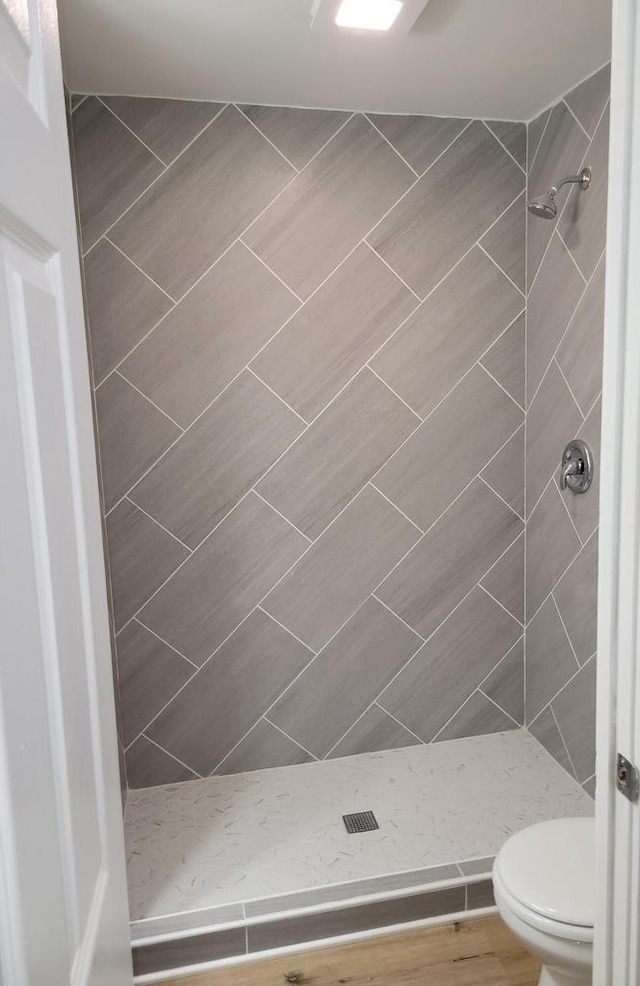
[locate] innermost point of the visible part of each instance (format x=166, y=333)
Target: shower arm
x=582, y=179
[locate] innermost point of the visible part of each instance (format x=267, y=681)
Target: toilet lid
x=549, y=868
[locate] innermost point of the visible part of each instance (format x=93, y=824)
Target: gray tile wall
x=308, y=344
x=564, y=354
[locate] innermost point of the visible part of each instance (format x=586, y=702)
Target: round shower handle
x=576, y=468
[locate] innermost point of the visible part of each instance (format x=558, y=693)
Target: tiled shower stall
x=334, y=369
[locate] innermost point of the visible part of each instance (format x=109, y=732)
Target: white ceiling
x=500, y=59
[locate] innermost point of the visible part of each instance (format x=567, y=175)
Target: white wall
x=500, y=59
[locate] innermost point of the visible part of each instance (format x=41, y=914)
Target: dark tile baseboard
x=310, y=916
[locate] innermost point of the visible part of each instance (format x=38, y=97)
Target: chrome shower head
x=545, y=205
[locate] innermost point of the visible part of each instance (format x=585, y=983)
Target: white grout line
x=573, y=259
x=498, y=603
x=502, y=659
x=435, y=288
x=300, y=673
x=545, y=252
x=393, y=613
x=501, y=142
x=495, y=455
x=593, y=405
x=469, y=123
x=253, y=373
x=426, y=641
x=564, y=627
x=496, y=264
x=406, y=728
x=394, y=272
x=501, y=386
x=446, y=396
x=442, y=728
x=544, y=130
x=568, y=325
x=556, y=223
x=182, y=563
x=302, y=170
x=554, y=227
x=490, y=487
x=562, y=574
x=275, y=510
x=557, y=347
x=440, y=516
x=173, y=757
x=132, y=132
x=562, y=740
x=145, y=473
x=561, y=372
x=157, y=523
x=324, y=646
x=585, y=132
x=499, y=707
x=395, y=505
x=268, y=139
x=362, y=715
x=158, y=177
x=79, y=103
x=392, y=146
x=175, y=305
x=283, y=627
x=235, y=746
x=208, y=407
x=134, y=264
x=259, y=604
x=166, y=704
x=395, y=393
x=148, y=399
x=275, y=726
x=389, y=211
x=564, y=504
x=500, y=557
x=270, y=269
x=544, y=490
x=413, y=184
x=457, y=263
x=163, y=641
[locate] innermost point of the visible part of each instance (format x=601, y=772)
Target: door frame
x=616, y=951
x=63, y=899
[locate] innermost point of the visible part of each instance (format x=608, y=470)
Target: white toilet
x=544, y=883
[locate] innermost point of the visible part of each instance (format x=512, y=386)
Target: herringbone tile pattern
x=564, y=379
x=308, y=342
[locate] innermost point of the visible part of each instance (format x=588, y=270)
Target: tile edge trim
x=193, y=938
x=150, y=979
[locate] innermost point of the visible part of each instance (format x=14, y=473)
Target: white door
x=63, y=908
x=617, y=942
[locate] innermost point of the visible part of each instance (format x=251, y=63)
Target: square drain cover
x=360, y=821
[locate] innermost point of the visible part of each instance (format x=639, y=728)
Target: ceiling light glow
x=368, y=15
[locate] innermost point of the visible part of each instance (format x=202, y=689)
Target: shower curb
x=271, y=925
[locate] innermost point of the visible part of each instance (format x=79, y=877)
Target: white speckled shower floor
x=243, y=837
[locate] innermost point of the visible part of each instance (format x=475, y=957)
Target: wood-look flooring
x=472, y=953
